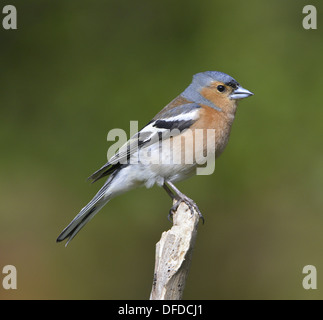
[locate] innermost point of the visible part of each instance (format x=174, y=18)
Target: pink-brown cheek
x=211, y=94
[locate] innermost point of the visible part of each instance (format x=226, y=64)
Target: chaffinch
x=167, y=149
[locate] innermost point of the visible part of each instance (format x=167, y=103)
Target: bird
x=208, y=104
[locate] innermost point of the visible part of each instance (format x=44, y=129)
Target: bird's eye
x=221, y=88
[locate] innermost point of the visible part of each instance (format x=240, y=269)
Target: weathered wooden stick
x=173, y=255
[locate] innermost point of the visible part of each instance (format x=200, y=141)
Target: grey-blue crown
x=209, y=76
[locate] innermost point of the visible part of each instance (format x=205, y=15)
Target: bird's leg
x=173, y=196
x=169, y=191
x=181, y=197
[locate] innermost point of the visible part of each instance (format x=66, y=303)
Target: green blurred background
x=76, y=69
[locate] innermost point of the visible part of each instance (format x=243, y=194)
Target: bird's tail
x=87, y=213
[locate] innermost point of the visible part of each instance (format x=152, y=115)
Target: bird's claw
x=191, y=205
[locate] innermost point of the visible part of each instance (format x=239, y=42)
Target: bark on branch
x=173, y=255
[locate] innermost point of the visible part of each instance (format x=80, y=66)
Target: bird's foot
x=189, y=202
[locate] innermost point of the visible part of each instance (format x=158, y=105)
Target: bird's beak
x=240, y=93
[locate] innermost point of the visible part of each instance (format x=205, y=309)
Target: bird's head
x=215, y=89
